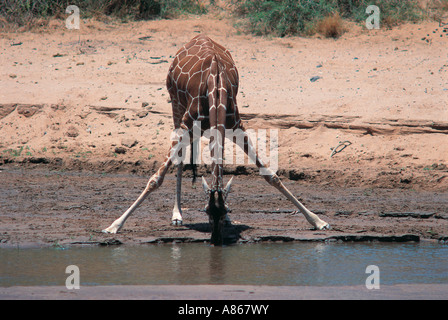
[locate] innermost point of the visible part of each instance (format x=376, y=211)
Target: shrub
x=297, y=17
x=280, y=18
x=331, y=26
x=26, y=12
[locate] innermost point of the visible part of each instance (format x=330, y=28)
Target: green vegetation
x=259, y=17
x=13, y=152
x=82, y=154
x=18, y=152
x=304, y=17
x=31, y=12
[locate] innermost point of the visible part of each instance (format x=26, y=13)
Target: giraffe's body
x=203, y=84
x=191, y=75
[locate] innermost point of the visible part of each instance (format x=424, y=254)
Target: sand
x=72, y=97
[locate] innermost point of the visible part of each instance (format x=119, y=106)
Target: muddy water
x=257, y=264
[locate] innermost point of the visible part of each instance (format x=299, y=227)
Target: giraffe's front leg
x=311, y=217
x=176, y=220
x=273, y=179
x=154, y=182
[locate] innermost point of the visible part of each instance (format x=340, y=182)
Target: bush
x=25, y=12
x=280, y=18
x=331, y=26
x=298, y=17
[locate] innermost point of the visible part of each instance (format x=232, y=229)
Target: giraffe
x=203, y=83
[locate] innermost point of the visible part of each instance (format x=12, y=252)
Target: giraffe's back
x=188, y=75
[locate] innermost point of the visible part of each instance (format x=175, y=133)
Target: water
x=314, y=264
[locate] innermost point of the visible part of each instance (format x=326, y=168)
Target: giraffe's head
x=217, y=210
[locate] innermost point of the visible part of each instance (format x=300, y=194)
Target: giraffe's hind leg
x=272, y=178
x=176, y=220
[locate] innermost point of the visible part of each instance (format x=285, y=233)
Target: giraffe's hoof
x=325, y=227
x=112, y=229
x=322, y=225
x=176, y=222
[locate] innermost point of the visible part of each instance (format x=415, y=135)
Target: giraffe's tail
x=194, y=166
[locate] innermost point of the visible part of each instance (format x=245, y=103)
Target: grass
x=82, y=154
x=18, y=152
x=13, y=152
